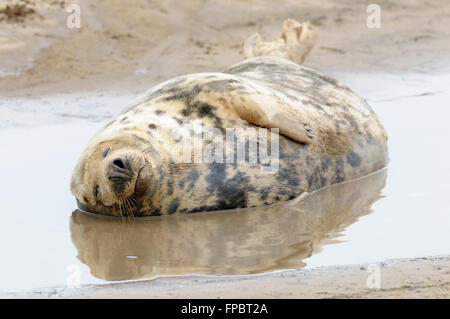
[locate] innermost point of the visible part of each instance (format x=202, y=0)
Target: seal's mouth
x=125, y=208
x=97, y=209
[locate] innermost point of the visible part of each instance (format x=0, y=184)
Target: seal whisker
x=121, y=209
x=131, y=209
x=132, y=204
x=127, y=206
x=126, y=209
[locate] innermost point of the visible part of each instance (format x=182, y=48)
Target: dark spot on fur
x=161, y=175
x=184, y=95
x=192, y=178
x=339, y=170
x=264, y=193
x=353, y=159
x=159, y=112
x=152, y=126
x=203, y=110
x=286, y=175
x=230, y=193
x=216, y=176
x=170, y=186
x=325, y=163
x=173, y=206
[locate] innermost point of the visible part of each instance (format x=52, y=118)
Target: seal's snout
x=120, y=174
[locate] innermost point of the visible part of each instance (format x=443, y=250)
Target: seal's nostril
x=119, y=163
x=120, y=171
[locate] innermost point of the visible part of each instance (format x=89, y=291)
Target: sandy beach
x=50, y=75
x=145, y=43
x=426, y=277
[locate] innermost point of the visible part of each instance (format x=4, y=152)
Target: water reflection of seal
x=245, y=242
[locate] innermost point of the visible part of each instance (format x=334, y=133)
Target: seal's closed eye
x=105, y=153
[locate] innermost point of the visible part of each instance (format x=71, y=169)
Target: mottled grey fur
x=344, y=138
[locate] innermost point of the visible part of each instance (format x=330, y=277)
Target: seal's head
x=109, y=176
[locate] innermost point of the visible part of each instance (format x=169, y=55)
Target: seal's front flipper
x=291, y=128
x=268, y=113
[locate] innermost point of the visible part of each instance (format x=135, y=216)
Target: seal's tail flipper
x=294, y=43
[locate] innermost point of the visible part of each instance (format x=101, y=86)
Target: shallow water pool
x=399, y=212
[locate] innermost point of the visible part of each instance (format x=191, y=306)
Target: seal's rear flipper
x=294, y=43
x=300, y=39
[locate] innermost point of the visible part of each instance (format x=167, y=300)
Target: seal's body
x=327, y=135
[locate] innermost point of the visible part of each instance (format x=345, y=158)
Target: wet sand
x=56, y=91
x=145, y=43
x=426, y=277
